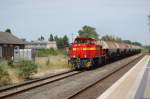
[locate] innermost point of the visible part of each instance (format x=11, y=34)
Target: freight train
x=88, y=52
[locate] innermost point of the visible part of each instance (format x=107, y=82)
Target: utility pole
x=72, y=36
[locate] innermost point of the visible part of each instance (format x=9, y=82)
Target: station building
x=9, y=42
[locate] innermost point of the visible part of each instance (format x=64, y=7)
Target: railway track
x=16, y=89
x=20, y=88
x=75, y=96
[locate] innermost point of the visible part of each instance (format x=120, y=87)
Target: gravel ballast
x=64, y=88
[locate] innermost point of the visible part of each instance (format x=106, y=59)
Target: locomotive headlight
x=74, y=56
x=74, y=49
x=85, y=56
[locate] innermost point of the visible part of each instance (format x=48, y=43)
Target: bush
x=26, y=68
x=46, y=52
x=4, y=76
x=10, y=63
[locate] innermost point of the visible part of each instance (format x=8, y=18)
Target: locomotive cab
x=83, y=51
x=83, y=48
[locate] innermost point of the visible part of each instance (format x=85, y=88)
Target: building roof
x=9, y=38
x=41, y=42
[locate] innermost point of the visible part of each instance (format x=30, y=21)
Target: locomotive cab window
x=78, y=41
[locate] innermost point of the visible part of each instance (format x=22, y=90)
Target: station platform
x=135, y=84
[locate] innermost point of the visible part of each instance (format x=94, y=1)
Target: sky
x=30, y=19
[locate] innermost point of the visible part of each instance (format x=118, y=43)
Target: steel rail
x=15, y=89
x=19, y=88
x=103, y=78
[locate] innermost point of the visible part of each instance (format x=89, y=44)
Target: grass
x=16, y=73
x=49, y=52
x=4, y=75
x=22, y=70
x=49, y=59
x=25, y=68
x=52, y=62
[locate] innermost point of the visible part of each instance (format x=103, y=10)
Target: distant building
x=41, y=44
x=9, y=42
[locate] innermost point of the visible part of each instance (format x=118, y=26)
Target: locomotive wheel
x=77, y=64
x=88, y=64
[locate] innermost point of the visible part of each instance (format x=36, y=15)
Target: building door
x=0, y=52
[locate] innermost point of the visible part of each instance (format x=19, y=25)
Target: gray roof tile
x=9, y=38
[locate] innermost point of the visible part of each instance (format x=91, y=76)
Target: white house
x=41, y=44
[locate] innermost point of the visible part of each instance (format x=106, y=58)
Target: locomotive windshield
x=84, y=41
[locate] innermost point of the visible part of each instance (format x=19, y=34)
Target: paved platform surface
x=135, y=84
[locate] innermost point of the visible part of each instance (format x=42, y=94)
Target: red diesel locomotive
x=88, y=52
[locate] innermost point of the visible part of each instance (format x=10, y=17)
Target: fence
x=25, y=54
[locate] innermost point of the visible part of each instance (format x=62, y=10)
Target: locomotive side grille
x=89, y=48
x=84, y=49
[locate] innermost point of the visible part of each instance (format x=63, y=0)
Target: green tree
x=8, y=30
x=118, y=39
x=88, y=31
x=66, y=41
x=41, y=38
x=108, y=38
x=60, y=43
x=130, y=42
x=137, y=43
x=51, y=38
x=127, y=41
x=147, y=47
x=111, y=38
x=55, y=37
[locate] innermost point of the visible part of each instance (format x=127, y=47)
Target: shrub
x=46, y=52
x=4, y=76
x=48, y=61
x=10, y=63
x=26, y=68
